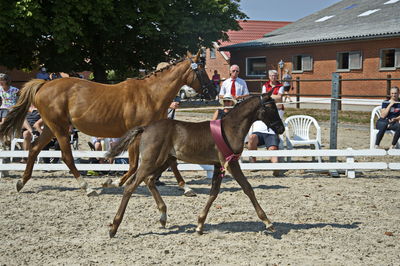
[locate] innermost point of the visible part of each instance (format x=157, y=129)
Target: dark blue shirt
x=394, y=110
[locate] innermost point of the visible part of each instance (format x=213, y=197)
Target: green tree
x=100, y=35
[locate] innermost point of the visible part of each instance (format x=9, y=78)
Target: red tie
x=233, y=88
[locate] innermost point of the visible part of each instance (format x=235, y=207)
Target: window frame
x=396, y=63
x=350, y=68
x=302, y=70
x=213, y=53
x=247, y=66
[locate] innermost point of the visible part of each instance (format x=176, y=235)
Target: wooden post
x=334, y=114
x=298, y=92
x=340, y=94
x=388, y=85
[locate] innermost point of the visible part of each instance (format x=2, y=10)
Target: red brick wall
x=219, y=63
x=324, y=64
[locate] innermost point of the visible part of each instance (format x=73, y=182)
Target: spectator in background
x=234, y=86
x=390, y=118
x=287, y=85
x=32, y=127
x=42, y=74
x=55, y=75
x=227, y=102
x=276, y=87
x=8, y=94
x=216, y=78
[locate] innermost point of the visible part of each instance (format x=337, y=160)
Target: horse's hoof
x=270, y=228
x=189, y=193
x=91, y=192
x=111, y=233
x=199, y=231
x=108, y=183
x=20, y=185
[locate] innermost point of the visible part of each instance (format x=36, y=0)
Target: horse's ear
x=189, y=54
x=197, y=57
x=268, y=94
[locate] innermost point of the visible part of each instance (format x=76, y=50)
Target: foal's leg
x=62, y=135
x=216, y=185
x=188, y=192
x=234, y=169
x=133, y=151
x=34, y=150
x=156, y=194
x=145, y=170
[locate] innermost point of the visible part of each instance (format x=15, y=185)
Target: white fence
x=349, y=164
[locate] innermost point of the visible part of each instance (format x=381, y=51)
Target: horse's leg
x=62, y=135
x=122, y=207
x=187, y=191
x=34, y=150
x=156, y=194
x=145, y=170
x=234, y=169
x=216, y=184
x=133, y=151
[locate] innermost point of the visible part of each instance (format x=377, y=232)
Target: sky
x=282, y=10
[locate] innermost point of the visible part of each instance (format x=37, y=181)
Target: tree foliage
x=98, y=35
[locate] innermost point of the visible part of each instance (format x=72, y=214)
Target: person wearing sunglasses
x=234, y=86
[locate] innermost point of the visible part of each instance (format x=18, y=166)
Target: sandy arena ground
x=319, y=220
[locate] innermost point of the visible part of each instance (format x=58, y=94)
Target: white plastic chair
x=375, y=115
x=297, y=130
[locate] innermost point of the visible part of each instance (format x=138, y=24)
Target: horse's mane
x=236, y=107
x=161, y=69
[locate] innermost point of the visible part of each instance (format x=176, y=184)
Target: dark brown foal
x=193, y=143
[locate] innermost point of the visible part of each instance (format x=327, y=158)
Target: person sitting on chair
x=228, y=102
x=261, y=135
x=390, y=118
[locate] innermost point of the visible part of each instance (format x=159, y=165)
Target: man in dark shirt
x=390, y=118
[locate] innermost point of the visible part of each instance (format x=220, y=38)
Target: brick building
x=357, y=39
x=251, y=30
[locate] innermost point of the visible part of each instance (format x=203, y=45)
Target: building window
x=256, y=66
x=302, y=63
x=390, y=58
x=346, y=61
x=213, y=53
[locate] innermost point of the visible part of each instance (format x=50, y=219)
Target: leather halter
x=195, y=67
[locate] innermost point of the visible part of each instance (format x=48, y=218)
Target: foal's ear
x=188, y=54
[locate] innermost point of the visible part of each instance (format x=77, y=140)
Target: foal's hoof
x=190, y=193
x=108, y=183
x=199, y=231
x=20, y=185
x=91, y=192
x=112, y=233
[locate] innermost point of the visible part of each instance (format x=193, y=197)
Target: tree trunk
x=99, y=73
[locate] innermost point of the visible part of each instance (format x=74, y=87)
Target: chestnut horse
x=193, y=142
x=101, y=110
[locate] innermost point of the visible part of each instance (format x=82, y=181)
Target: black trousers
x=382, y=125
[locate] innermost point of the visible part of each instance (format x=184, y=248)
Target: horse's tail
x=124, y=142
x=15, y=118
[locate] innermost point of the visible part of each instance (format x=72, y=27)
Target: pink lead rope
x=216, y=132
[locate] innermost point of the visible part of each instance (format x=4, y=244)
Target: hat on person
x=227, y=97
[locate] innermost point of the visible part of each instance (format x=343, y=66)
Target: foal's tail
x=124, y=142
x=15, y=118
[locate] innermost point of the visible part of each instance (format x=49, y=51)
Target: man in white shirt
x=234, y=86
x=261, y=135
